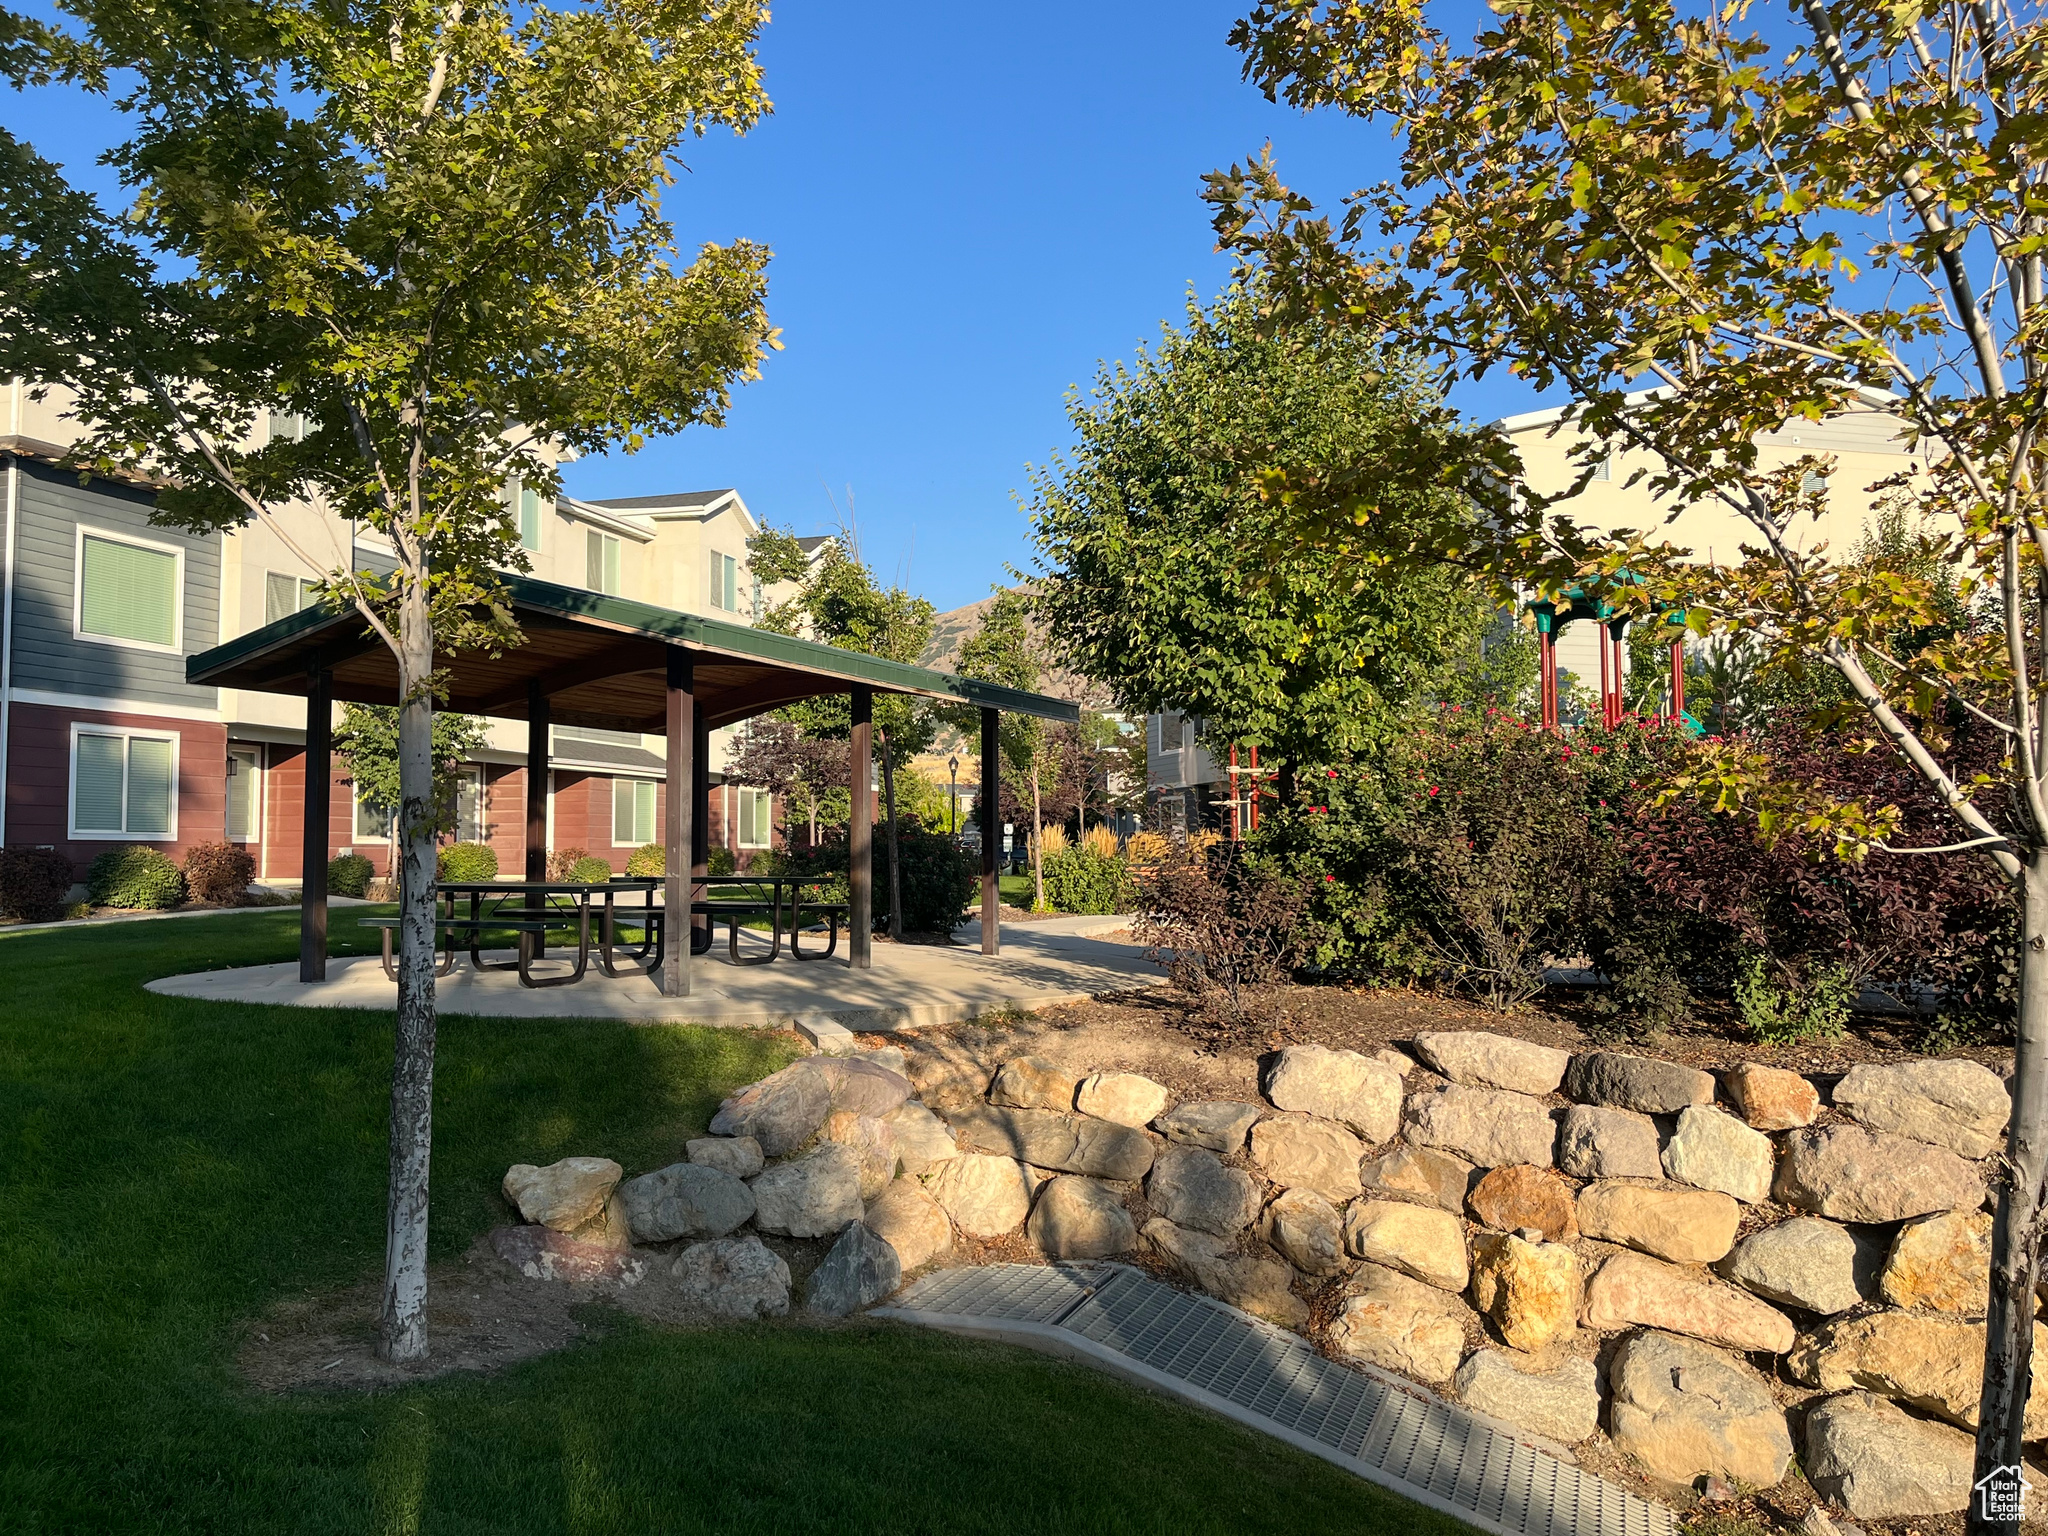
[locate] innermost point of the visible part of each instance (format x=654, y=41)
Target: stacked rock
x=1484, y=1218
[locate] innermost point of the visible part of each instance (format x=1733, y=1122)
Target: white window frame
x=357, y=805
x=255, y=834
x=655, y=837
x=769, y=815
x=80, y=534
x=300, y=592
x=610, y=551
x=126, y=734
x=474, y=773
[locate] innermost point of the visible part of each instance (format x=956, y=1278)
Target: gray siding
x=46, y=654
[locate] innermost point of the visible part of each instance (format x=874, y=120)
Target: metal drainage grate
x=1387, y=1430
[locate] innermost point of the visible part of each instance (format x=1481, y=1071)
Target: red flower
x=1329, y=879
x=1432, y=789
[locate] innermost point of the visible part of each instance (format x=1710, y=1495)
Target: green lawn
x=170, y=1168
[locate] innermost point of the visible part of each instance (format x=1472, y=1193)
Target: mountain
x=951, y=629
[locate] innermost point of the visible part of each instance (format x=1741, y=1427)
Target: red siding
x=39, y=780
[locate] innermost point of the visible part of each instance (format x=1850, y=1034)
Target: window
x=285, y=594
x=287, y=428
x=754, y=811
x=1813, y=483
x=244, y=802
x=632, y=812
x=529, y=518
x=123, y=784
x=1604, y=470
x=129, y=592
x=725, y=573
x=469, y=806
x=373, y=822
x=603, y=563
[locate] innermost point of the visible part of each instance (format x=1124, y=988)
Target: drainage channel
x=1385, y=1430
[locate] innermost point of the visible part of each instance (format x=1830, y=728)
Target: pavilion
x=594, y=660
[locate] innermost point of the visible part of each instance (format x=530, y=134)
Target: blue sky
x=969, y=207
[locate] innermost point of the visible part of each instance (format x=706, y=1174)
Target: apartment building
x=103, y=741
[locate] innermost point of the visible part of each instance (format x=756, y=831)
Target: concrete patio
x=1042, y=965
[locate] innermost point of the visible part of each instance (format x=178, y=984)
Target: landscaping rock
x=542, y=1253
x=685, y=1200
x=1034, y=1082
x=1597, y=1143
x=1684, y=1410
x=1852, y=1174
x=948, y=1082
x=1065, y=1143
x=566, y=1195
x=860, y=1083
x=1954, y=1104
x=1530, y=1292
x=872, y=1140
x=1308, y=1154
x=1400, y=1324
x=1306, y=1230
x=736, y=1277
x=1521, y=1195
x=1344, y=1086
x=985, y=1196
x=1481, y=1060
x=1631, y=1289
x=781, y=1112
x=1561, y=1404
x=1878, y=1462
x=1770, y=1098
x=1219, y=1125
x=922, y=1140
x=812, y=1197
x=1687, y=1226
x=1485, y=1126
x=1190, y=1187
x=1640, y=1083
x=1926, y=1361
x=1077, y=1218
x=1941, y=1263
x=1417, y=1240
x=1123, y=1098
x=1257, y=1285
x=1400, y=1061
x=1805, y=1262
x=909, y=1220
x=1423, y=1172
x=859, y=1271
x=1711, y=1149
x=739, y=1156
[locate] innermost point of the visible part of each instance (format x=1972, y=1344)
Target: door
x=245, y=794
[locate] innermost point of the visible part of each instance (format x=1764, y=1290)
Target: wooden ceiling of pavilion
x=600, y=662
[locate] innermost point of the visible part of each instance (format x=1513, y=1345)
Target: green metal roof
x=594, y=652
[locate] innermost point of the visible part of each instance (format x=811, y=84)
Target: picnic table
x=529, y=908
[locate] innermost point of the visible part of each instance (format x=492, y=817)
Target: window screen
x=100, y=776
x=754, y=822
x=724, y=582
x=603, y=563
x=529, y=518
x=123, y=785
x=127, y=592
x=632, y=812
x=285, y=594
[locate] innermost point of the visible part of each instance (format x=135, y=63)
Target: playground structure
x=1550, y=623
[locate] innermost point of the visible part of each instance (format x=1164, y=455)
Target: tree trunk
x=2016, y=1232
x=1037, y=846
x=402, y=1333
x=896, y=927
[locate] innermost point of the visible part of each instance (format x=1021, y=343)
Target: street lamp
x=953, y=768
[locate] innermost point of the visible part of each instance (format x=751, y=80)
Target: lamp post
x=953, y=768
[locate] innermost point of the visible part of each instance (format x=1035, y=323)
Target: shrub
x=1052, y=839
x=1101, y=842
x=1785, y=1016
x=649, y=859
x=939, y=877
x=219, y=873
x=135, y=877
x=1082, y=879
x=562, y=860
x=467, y=861
x=35, y=884
x=719, y=861
x=349, y=875
x=1143, y=849
x=1222, y=921
x=590, y=870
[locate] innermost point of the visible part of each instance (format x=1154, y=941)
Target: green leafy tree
x=430, y=230
x=368, y=738
x=838, y=601
x=1004, y=650
x=1605, y=197
x=1168, y=579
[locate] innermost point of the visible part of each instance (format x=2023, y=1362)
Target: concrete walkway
x=1042, y=965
